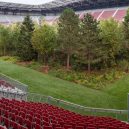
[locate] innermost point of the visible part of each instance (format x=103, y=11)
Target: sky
x=32, y=2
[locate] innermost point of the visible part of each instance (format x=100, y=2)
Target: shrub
x=96, y=80
x=123, y=65
x=9, y=59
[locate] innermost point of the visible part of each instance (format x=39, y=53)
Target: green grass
x=120, y=89
x=114, y=96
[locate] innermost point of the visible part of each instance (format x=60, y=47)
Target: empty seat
x=29, y=115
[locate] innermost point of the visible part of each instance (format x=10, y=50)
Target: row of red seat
x=30, y=115
x=1, y=127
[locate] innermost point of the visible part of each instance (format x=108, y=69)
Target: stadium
x=30, y=99
x=11, y=13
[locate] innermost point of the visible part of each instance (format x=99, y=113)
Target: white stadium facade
x=100, y=9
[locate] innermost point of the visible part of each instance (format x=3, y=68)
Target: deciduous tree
x=112, y=39
x=44, y=41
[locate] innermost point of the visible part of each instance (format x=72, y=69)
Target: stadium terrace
x=100, y=9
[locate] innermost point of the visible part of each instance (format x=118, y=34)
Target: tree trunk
x=4, y=51
x=89, y=61
x=68, y=61
x=39, y=58
x=89, y=66
x=54, y=56
x=44, y=59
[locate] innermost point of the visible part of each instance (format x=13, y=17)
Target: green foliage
x=34, y=65
x=126, y=26
x=98, y=80
x=123, y=65
x=125, y=50
x=9, y=59
x=44, y=41
x=5, y=40
x=90, y=50
x=68, y=30
x=15, y=32
x=112, y=39
x=24, y=47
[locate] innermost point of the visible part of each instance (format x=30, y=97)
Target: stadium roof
x=56, y=6
x=49, y=5
x=30, y=2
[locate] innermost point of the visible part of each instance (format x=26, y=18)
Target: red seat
x=22, y=127
x=38, y=116
x=79, y=127
x=29, y=117
x=56, y=126
x=36, y=126
x=59, y=128
x=37, y=121
x=47, y=127
x=6, y=122
x=67, y=126
x=28, y=124
x=45, y=123
x=22, y=114
x=14, y=125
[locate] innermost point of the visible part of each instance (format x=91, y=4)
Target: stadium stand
x=117, y=14
x=100, y=14
x=29, y=115
x=100, y=9
x=104, y=14
x=6, y=87
x=12, y=88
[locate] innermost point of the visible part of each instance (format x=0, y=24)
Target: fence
x=14, y=82
x=119, y=114
x=32, y=97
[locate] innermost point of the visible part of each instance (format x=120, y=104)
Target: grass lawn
x=113, y=96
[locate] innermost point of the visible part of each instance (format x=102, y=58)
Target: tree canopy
x=90, y=50
x=112, y=38
x=68, y=31
x=44, y=40
x=24, y=47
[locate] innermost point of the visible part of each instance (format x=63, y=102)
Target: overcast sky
x=35, y=2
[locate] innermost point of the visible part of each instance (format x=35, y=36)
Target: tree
x=68, y=28
x=14, y=37
x=90, y=50
x=4, y=39
x=126, y=26
x=24, y=47
x=44, y=41
x=112, y=38
x=125, y=50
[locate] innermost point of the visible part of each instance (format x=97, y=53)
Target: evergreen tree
x=24, y=47
x=126, y=26
x=125, y=50
x=68, y=33
x=90, y=50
